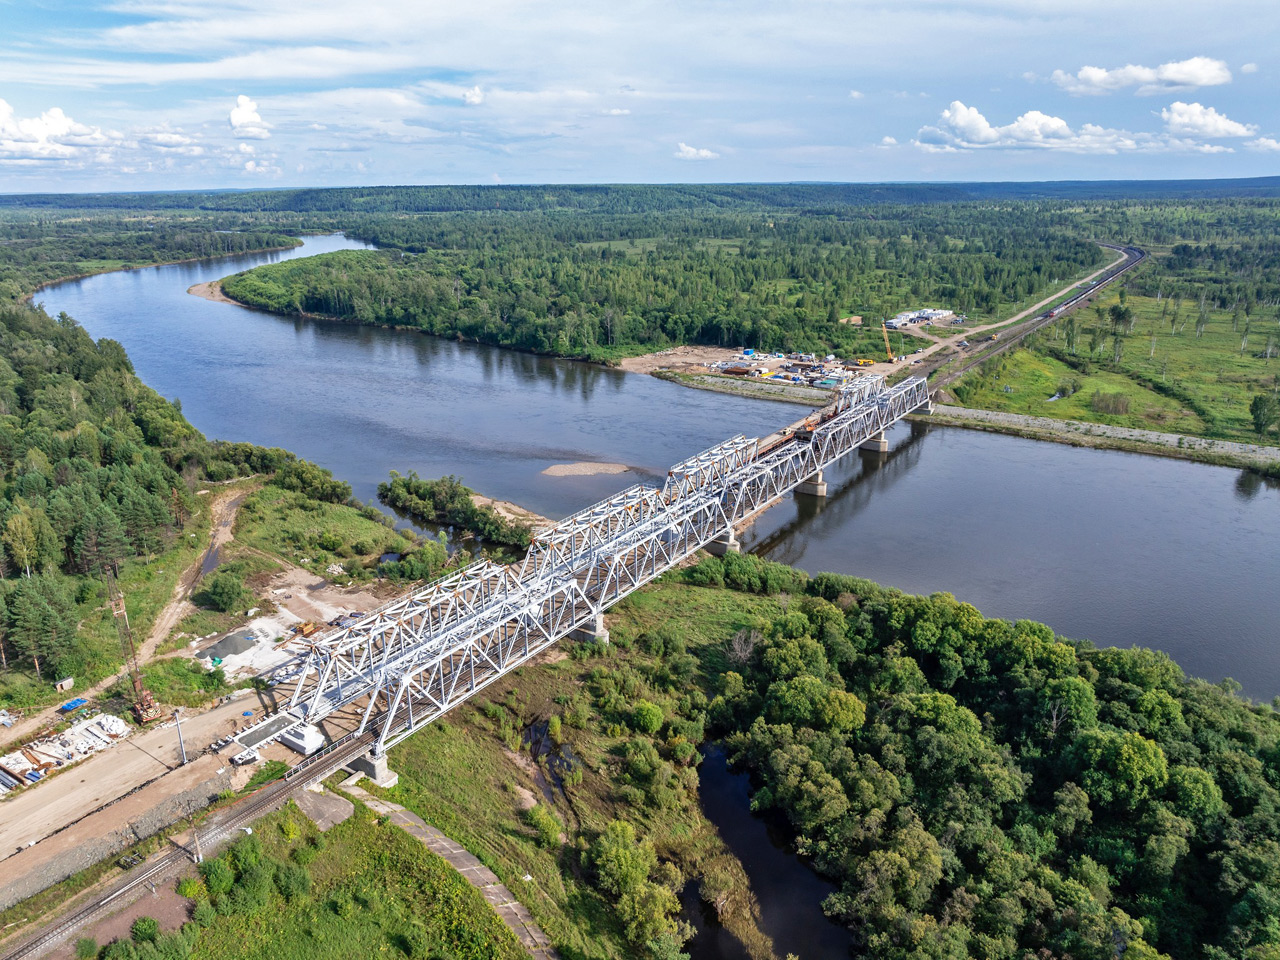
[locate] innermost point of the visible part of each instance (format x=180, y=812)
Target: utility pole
x=177, y=718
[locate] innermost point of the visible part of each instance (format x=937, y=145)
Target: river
x=1117, y=548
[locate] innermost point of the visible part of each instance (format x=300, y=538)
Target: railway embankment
x=1077, y=433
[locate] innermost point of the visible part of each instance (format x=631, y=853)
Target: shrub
x=293, y=882
x=191, y=888
x=145, y=930
x=1112, y=403
x=647, y=717
x=120, y=950
x=86, y=948
x=290, y=830
x=224, y=591
x=245, y=854
x=204, y=914
x=553, y=729
x=303, y=855
x=544, y=820
x=218, y=876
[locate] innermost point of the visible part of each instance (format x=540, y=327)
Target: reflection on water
x=1118, y=548
x=790, y=894
x=363, y=401
x=1112, y=547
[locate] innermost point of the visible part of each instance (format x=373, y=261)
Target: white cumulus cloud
x=856, y=94
x=246, y=121
x=686, y=152
x=1201, y=122
x=1268, y=144
x=473, y=96
x=887, y=141
x=962, y=127
x=616, y=112
x=1249, y=68
x=1168, y=77
x=51, y=136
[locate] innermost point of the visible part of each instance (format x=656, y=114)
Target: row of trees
x=40, y=248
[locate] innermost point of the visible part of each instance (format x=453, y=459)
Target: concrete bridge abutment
x=878, y=443
x=376, y=769
x=593, y=631
x=815, y=486
x=725, y=543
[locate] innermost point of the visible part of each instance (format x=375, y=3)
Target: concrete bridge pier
x=815, y=486
x=376, y=769
x=727, y=542
x=593, y=631
x=878, y=443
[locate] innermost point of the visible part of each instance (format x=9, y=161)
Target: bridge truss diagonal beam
x=420, y=655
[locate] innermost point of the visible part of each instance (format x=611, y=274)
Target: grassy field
x=311, y=533
x=376, y=892
x=1023, y=381
x=462, y=774
x=1176, y=373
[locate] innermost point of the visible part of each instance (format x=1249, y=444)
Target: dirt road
x=222, y=515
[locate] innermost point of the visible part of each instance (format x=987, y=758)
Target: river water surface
x=1117, y=548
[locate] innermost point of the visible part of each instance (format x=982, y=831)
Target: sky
x=176, y=94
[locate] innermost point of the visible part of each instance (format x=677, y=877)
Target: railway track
x=1135, y=257
x=265, y=800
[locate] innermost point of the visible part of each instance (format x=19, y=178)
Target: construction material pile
x=33, y=762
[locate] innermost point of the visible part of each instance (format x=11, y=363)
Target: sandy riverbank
x=210, y=290
x=584, y=469
x=678, y=358
x=511, y=511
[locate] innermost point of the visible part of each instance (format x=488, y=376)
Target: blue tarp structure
x=75, y=704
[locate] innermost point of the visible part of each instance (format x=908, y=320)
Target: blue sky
x=167, y=94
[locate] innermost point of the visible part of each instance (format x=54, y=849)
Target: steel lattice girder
x=560, y=546
x=433, y=648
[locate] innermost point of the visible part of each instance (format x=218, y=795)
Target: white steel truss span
x=427, y=651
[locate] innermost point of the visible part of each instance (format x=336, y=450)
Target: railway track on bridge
x=417, y=657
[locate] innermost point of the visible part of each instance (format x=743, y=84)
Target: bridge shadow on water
x=850, y=487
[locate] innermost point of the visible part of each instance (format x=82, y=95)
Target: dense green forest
x=603, y=286
x=95, y=469
x=39, y=248
x=980, y=787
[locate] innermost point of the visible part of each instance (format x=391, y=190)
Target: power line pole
x=177, y=718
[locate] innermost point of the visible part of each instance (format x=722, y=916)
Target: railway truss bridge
x=403, y=665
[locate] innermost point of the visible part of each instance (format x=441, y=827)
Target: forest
x=37, y=249
x=96, y=469
x=602, y=287
x=982, y=787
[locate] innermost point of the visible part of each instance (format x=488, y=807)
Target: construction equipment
x=145, y=708
x=887, y=348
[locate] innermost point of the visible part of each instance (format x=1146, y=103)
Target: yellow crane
x=887, y=348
